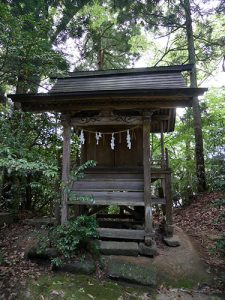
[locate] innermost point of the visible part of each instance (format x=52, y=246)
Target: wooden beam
x=65, y=169
x=147, y=180
x=109, y=198
x=92, y=105
x=114, y=120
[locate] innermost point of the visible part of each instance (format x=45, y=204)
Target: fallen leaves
x=16, y=270
x=200, y=221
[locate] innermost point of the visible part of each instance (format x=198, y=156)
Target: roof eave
x=150, y=92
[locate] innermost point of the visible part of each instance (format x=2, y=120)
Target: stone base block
x=146, y=250
x=172, y=241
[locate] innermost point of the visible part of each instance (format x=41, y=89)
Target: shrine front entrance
x=121, y=156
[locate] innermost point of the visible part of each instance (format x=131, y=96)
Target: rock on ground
x=178, y=267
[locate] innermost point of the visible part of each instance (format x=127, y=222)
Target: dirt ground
x=204, y=223
x=198, y=220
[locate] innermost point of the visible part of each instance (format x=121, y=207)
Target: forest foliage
x=39, y=39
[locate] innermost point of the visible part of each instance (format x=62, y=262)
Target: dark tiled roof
x=143, y=80
x=160, y=88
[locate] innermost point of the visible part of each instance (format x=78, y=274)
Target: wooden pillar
x=65, y=169
x=162, y=146
x=147, y=180
x=169, y=206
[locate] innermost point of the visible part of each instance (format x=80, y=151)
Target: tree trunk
x=199, y=150
x=28, y=200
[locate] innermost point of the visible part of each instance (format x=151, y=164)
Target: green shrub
x=71, y=238
x=114, y=209
x=74, y=235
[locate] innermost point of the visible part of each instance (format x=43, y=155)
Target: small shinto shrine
x=114, y=113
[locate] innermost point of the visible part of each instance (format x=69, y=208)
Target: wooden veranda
x=115, y=112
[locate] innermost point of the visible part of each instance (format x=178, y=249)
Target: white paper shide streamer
x=98, y=135
x=128, y=139
x=112, y=142
x=82, y=139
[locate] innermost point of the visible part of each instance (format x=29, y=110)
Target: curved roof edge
x=126, y=72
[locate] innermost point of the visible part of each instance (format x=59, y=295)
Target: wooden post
x=169, y=206
x=162, y=146
x=65, y=168
x=147, y=180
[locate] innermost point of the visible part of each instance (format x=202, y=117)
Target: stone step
x=121, y=234
x=119, y=248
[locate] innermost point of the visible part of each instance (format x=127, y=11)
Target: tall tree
x=106, y=42
x=199, y=150
x=175, y=22
x=30, y=33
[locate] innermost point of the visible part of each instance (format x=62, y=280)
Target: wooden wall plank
x=113, y=198
x=121, y=185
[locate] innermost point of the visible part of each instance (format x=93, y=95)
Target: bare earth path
x=177, y=268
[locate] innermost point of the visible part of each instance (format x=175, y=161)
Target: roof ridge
x=127, y=72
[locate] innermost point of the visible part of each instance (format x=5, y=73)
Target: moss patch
x=79, y=287
x=132, y=272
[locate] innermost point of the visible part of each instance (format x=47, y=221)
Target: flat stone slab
x=79, y=267
x=130, y=272
x=172, y=241
x=119, y=248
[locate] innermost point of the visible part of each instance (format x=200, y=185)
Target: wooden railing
x=162, y=163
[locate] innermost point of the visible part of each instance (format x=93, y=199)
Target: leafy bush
x=70, y=238
x=74, y=235
x=113, y=209
x=75, y=175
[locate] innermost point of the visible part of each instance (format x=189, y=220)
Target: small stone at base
x=172, y=241
x=147, y=250
x=80, y=267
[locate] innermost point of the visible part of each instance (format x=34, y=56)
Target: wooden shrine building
x=114, y=112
